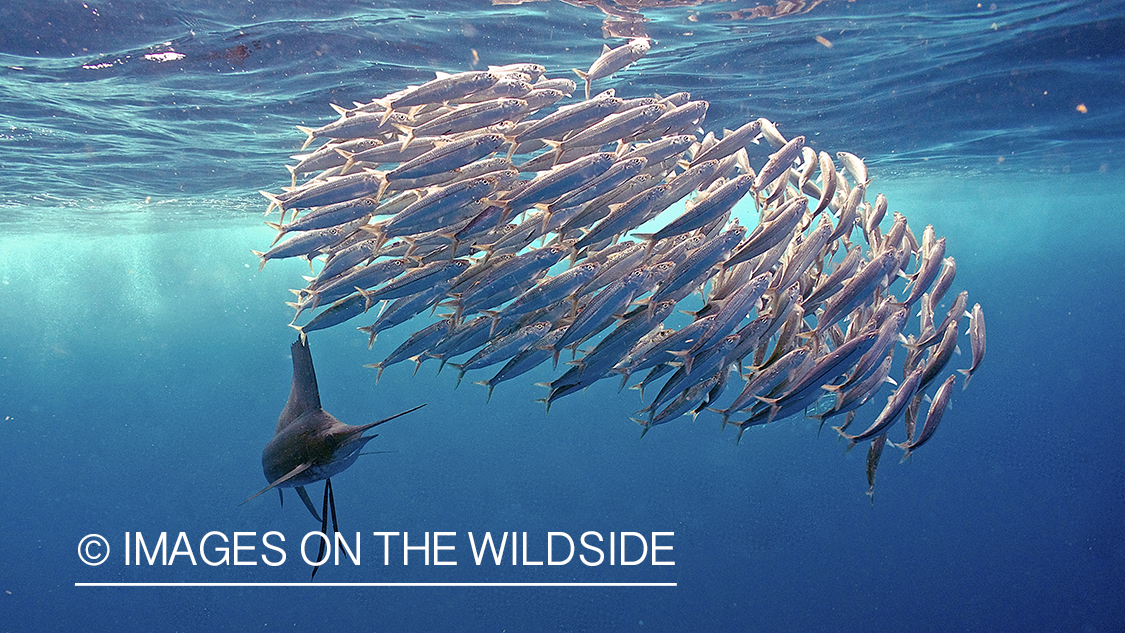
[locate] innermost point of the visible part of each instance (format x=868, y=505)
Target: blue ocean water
x=144, y=359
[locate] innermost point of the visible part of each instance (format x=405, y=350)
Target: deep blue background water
x=143, y=359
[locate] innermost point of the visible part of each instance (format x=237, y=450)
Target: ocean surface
x=144, y=358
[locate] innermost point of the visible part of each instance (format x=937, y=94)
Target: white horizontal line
x=375, y=584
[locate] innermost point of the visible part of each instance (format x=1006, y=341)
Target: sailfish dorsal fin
x=303, y=395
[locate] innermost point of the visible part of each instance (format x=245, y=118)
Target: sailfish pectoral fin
x=284, y=478
x=308, y=502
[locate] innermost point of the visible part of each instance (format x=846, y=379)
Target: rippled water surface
x=120, y=102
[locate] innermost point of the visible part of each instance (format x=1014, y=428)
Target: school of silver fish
x=485, y=196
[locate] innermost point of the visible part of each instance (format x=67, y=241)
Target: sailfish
x=310, y=444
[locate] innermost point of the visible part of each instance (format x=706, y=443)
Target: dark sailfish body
x=310, y=444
